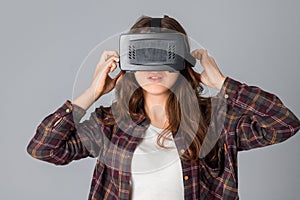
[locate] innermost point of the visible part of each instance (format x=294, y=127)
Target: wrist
x=92, y=93
x=220, y=82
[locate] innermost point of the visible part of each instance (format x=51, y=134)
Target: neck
x=155, y=108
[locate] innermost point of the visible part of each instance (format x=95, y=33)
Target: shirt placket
x=186, y=166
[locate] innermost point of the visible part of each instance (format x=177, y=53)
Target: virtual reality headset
x=154, y=51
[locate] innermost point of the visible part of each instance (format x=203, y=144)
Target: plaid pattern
x=254, y=118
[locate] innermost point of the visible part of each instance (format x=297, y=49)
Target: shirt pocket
x=215, y=168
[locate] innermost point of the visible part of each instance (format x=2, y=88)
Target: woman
x=129, y=138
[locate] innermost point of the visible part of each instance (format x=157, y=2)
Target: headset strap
x=156, y=24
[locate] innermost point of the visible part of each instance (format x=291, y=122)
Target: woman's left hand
x=211, y=75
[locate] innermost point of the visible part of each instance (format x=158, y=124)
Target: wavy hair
x=129, y=97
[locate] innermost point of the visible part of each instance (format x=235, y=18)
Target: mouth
x=155, y=77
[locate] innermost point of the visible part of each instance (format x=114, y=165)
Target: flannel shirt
x=254, y=118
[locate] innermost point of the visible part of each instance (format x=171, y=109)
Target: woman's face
x=156, y=82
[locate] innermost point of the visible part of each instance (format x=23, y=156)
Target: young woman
x=149, y=143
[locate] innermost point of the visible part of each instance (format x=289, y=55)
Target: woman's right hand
x=102, y=83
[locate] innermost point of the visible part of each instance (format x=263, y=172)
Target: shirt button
x=182, y=151
x=67, y=110
x=226, y=96
x=186, y=177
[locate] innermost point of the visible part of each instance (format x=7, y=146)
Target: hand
x=102, y=83
x=211, y=75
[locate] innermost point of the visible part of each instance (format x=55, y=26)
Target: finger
x=194, y=54
x=107, y=54
x=198, y=53
x=106, y=65
x=113, y=67
x=110, y=64
x=202, y=55
x=114, y=58
x=105, y=68
x=112, y=53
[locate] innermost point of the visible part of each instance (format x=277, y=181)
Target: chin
x=155, y=89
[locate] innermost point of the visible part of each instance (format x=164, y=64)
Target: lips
x=155, y=77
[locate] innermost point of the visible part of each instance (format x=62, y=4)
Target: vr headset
x=154, y=51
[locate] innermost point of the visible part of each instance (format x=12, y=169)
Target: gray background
x=43, y=44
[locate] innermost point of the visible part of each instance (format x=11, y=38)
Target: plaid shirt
x=254, y=118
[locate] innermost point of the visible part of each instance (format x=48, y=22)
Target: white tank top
x=156, y=172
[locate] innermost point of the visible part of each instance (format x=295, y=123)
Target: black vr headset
x=154, y=51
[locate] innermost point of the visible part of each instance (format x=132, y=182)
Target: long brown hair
x=179, y=116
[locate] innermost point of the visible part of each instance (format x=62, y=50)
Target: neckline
x=155, y=128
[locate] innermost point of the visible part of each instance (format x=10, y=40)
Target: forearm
x=85, y=100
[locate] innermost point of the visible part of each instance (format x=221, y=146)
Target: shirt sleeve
x=61, y=137
x=262, y=118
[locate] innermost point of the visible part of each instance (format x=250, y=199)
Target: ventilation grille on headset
x=131, y=53
x=171, y=51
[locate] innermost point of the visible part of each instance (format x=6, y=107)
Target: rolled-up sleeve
x=262, y=118
x=61, y=138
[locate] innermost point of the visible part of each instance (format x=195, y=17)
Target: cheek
x=174, y=78
x=140, y=77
